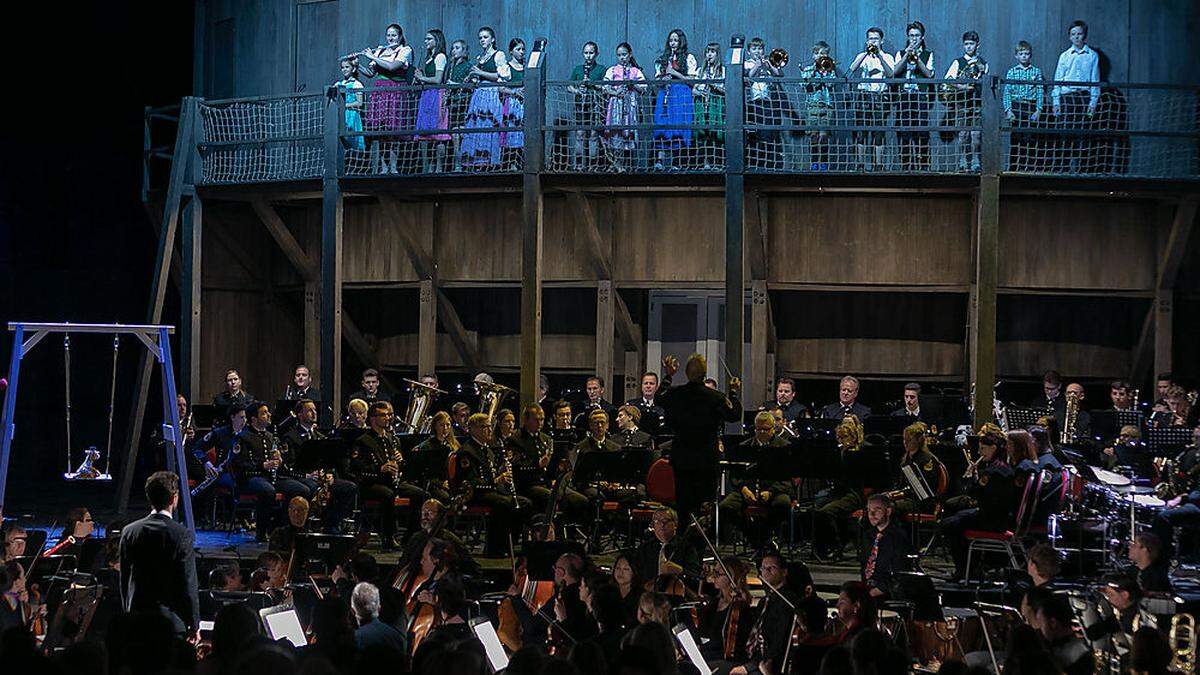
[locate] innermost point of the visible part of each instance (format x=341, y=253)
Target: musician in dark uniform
x=433, y=454
x=561, y=429
x=158, y=561
x=1153, y=569
x=239, y=472
x=628, y=435
x=598, y=488
x=371, y=391
x=847, y=402
x=261, y=465
x=532, y=450
x=885, y=546
x=283, y=538
x=595, y=401
x=301, y=386
x=375, y=463
x=652, y=413
x=342, y=493
x=1083, y=420
x=668, y=553
x=1052, y=399
x=775, y=495
x=785, y=398
x=772, y=633
x=1182, y=510
x=912, y=403
x=846, y=497
x=473, y=468
x=234, y=396
x=995, y=494
x=697, y=414
x=917, y=455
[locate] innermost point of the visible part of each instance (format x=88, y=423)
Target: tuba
x=778, y=58
x=1067, y=435
x=416, y=417
x=491, y=395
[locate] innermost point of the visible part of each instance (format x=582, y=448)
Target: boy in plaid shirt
x=1023, y=105
x=819, y=103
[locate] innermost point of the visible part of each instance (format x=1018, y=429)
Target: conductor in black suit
x=158, y=563
x=697, y=414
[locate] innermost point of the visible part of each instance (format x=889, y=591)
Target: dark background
x=75, y=241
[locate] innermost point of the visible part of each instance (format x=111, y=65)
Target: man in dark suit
x=885, y=548
x=696, y=413
x=371, y=632
x=158, y=563
x=847, y=403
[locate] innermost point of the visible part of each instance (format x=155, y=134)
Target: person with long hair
x=388, y=106
x=710, y=108
x=458, y=96
x=727, y=620
x=513, y=99
x=348, y=88
x=625, y=578
x=485, y=112
x=623, y=93
x=433, y=114
x=673, y=105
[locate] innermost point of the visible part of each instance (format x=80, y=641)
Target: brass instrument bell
x=416, y=415
x=778, y=58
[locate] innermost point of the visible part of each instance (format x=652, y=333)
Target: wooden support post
x=532, y=210
x=332, y=213
x=427, y=330
x=312, y=328
x=735, y=185
x=1164, y=314
x=193, y=297
x=987, y=259
x=604, y=332
x=1157, y=329
x=182, y=176
x=633, y=375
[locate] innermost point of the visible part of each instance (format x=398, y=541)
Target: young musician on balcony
x=482, y=150
x=587, y=106
x=710, y=108
x=1023, y=105
x=673, y=106
x=1075, y=104
x=353, y=115
x=914, y=62
x=762, y=108
x=819, y=111
x=622, y=107
x=458, y=98
x=512, y=143
x=870, y=101
x=388, y=108
x=432, y=111
x=968, y=100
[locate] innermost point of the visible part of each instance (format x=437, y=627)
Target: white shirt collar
x=165, y=513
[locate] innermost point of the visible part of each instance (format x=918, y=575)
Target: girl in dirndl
x=481, y=150
x=389, y=107
x=673, y=106
x=458, y=97
x=350, y=89
x=622, y=108
x=710, y=108
x=513, y=97
x=433, y=115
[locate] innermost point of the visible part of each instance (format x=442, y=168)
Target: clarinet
x=275, y=457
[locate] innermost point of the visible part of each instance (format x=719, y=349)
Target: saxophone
x=1183, y=643
x=1067, y=435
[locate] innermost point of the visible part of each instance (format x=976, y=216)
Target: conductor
x=696, y=413
x=158, y=563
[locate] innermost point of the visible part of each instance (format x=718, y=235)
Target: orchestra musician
x=1120, y=395
x=772, y=632
x=727, y=620
x=226, y=443
x=339, y=493
x=1052, y=399
x=356, y=415
x=371, y=391
x=562, y=430
x=459, y=412
x=918, y=455
x=372, y=633
x=15, y=538
x=845, y=498
x=775, y=495
x=376, y=464
x=1083, y=420
x=885, y=548
x=1183, y=509
x=261, y=465
x=847, y=402
x=697, y=414
x=473, y=468
x=532, y=450
x=597, y=440
x=594, y=388
x=628, y=435
x=647, y=403
x=434, y=452
x=990, y=485
x=912, y=403
x=233, y=396
x=284, y=537
x=785, y=398
x=668, y=554
x=17, y=610
x=301, y=386
x=1153, y=571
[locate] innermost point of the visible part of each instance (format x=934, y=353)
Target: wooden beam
x=466, y=347
x=1157, y=327
x=1181, y=230
x=759, y=386
x=983, y=309
x=735, y=219
x=192, y=298
x=532, y=214
x=604, y=332
x=312, y=328
x=633, y=375
x=1164, y=314
x=422, y=261
x=237, y=253
x=427, y=330
x=757, y=252
x=593, y=245
x=304, y=265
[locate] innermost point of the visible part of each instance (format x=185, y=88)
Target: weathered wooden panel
x=1077, y=244
x=669, y=239
x=573, y=352
x=1022, y=359
x=372, y=249
x=262, y=340
x=846, y=239
x=870, y=357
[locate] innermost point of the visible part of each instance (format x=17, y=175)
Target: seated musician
x=1182, y=510
x=459, y=412
x=604, y=604
x=473, y=468
x=1083, y=420
x=1043, y=563
x=414, y=549
x=283, y=538
x=301, y=386
x=434, y=452
x=246, y=468
x=594, y=389
x=912, y=403
x=990, y=486
x=271, y=574
x=15, y=538
x=1125, y=450
x=17, y=609
x=775, y=495
x=885, y=547
x=1052, y=399
x=1120, y=395
x=816, y=640
x=371, y=392
x=1055, y=622
x=647, y=404
x=628, y=435
x=918, y=455
x=262, y=459
x=356, y=415
x=564, y=612
x=562, y=430
x=727, y=620
x=1044, y=449
x=844, y=499
x=340, y=494
x=857, y=610
x=785, y=398
x=629, y=584
x=78, y=527
x=226, y=578
x=666, y=555
x=371, y=633
x=506, y=427
x=1153, y=570
x=598, y=488
x=234, y=396
x=847, y=402
x=772, y=633
x=654, y=606
x=375, y=463
x=532, y=450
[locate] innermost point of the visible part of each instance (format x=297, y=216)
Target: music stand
x=1023, y=418
x=324, y=453
x=211, y=602
x=916, y=482
x=73, y=616
x=918, y=589
x=319, y=552
x=40, y=569
x=1106, y=424
x=1168, y=438
x=887, y=425
x=628, y=467
x=815, y=427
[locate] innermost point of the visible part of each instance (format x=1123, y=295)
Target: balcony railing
x=790, y=126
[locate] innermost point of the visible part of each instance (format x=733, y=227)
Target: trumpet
x=825, y=64
x=872, y=48
x=778, y=58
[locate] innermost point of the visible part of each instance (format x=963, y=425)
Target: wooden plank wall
x=279, y=46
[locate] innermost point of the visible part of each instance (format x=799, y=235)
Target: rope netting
x=254, y=140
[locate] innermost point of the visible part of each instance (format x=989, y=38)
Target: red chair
x=1008, y=541
x=660, y=490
